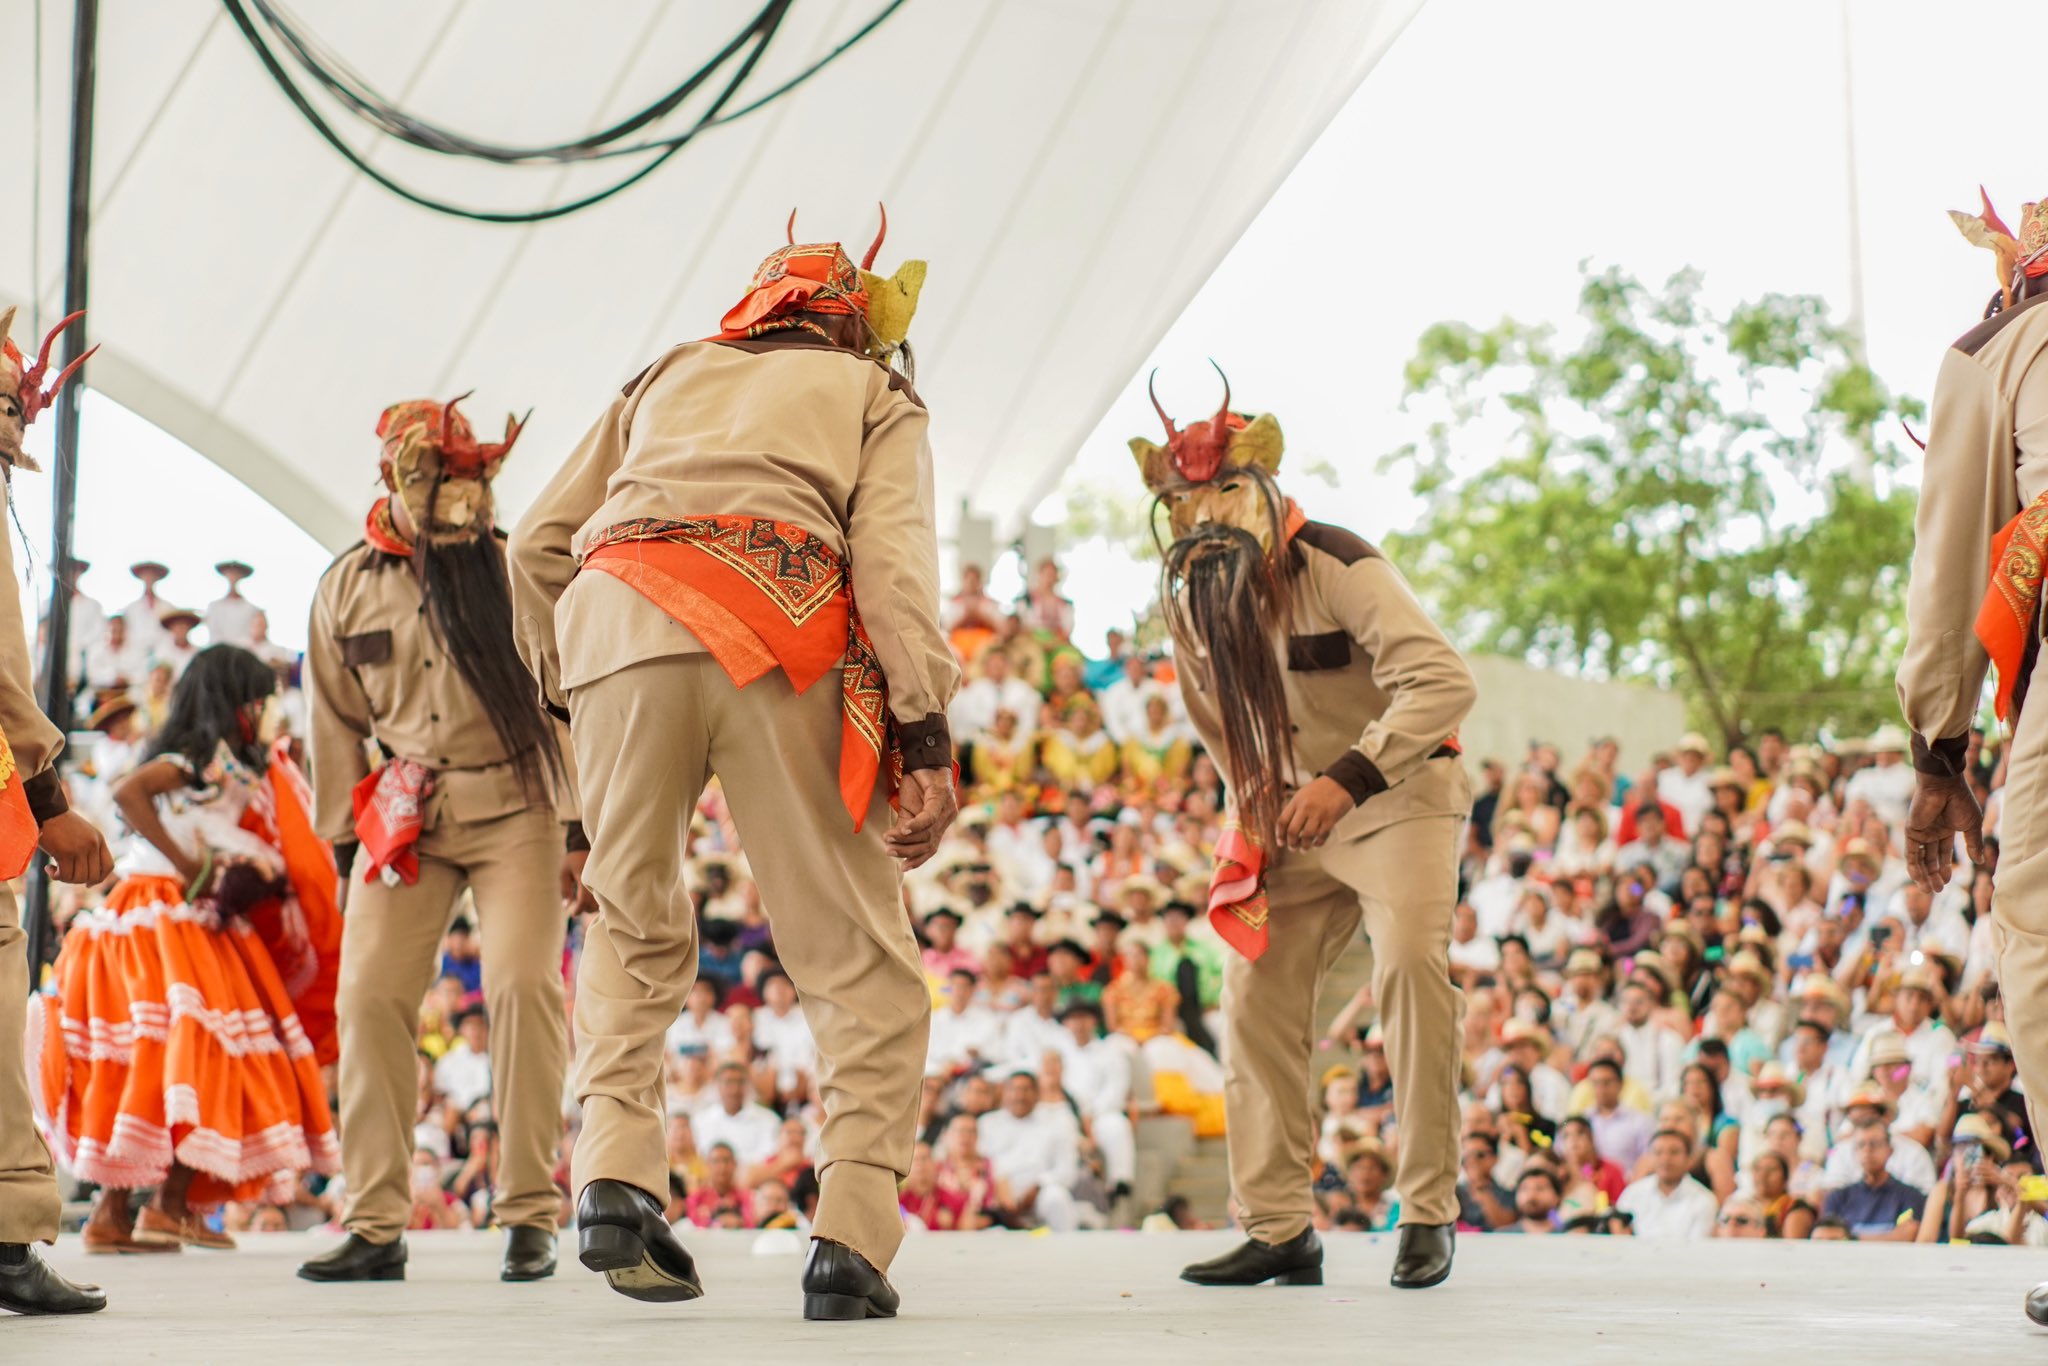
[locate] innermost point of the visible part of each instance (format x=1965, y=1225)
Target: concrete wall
x=1519, y=703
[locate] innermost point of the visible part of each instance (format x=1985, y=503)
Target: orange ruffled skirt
x=172, y=1038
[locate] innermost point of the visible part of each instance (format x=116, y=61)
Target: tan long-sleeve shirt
x=35, y=742
x=376, y=671
x=786, y=427
x=1374, y=689
x=1986, y=458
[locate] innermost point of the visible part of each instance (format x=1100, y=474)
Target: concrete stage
x=1080, y=1298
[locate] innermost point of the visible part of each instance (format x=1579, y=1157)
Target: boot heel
x=393, y=1272
x=1308, y=1275
x=608, y=1247
x=835, y=1306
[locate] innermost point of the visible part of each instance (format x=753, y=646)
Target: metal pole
x=56, y=679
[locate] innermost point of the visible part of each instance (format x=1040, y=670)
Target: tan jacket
x=1374, y=689
x=1987, y=457
x=785, y=427
x=375, y=671
x=35, y=742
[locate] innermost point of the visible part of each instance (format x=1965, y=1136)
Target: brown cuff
x=1941, y=758
x=1358, y=775
x=574, y=841
x=927, y=743
x=45, y=794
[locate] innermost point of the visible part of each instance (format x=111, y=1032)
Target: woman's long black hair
x=469, y=602
x=211, y=707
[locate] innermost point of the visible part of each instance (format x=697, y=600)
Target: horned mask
x=434, y=465
x=1209, y=473
x=2021, y=257
x=23, y=394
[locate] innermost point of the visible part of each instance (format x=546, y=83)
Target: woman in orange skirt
x=195, y=1009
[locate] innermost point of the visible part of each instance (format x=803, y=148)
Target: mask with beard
x=433, y=464
x=1225, y=588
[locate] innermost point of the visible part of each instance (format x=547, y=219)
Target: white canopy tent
x=1073, y=170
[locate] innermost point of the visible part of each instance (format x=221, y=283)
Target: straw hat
x=1771, y=1077
x=1821, y=987
x=1695, y=743
x=1888, y=740
x=1584, y=963
x=1983, y=1130
x=1749, y=965
x=1871, y=1096
x=1524, y=1031
x=1727, y=777
x=1792, y=832
x=1921, y=977
x=1888, y=1049
x=1993, y=1039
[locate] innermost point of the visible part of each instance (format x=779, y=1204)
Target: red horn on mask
x=35, y=395
x=1222, y=418
x=1171, y=430
x=790, y=231
x=868, y=262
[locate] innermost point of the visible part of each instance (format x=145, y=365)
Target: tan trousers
x=2019, y=904
x=1403, y=882
x=28, y=1183
x=648, y=738
x=390, y=951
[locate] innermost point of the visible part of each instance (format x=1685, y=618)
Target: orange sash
x=1237, y=891
x=2012, y=600
x=18, y=831
x=763, y=594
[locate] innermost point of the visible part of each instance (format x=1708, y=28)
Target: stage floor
x=1104, y=1297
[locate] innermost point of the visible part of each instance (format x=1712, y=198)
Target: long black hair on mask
x=469, y=603
x=211, y=705
x=1224, y=595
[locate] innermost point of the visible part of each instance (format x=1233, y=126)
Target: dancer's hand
x=1310, y=814
x=78, y=851
x=1942, y=809
x=576, y=898
x=925, y=807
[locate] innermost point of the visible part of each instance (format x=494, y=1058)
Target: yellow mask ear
x=891, y=304
x=1154, y=465
x=1259, y=444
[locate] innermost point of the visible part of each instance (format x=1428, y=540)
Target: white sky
x=1497, y=145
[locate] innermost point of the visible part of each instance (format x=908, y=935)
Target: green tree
x=1706, y=502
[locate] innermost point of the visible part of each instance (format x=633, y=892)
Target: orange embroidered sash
x=2012, y=601
x=761, y=595
x=1237, y=891
x=18, y=831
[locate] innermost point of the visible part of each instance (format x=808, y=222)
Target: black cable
x=387, y=118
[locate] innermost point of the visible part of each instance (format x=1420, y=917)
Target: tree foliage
x=1702, y=501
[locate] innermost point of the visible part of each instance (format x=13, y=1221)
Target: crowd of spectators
x=1702, y=997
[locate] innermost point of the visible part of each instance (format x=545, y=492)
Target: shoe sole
x=382, y=1273
x=1309, y=1275
x=523, y=1276
x=1437, y=1279
x=843, y=1308
x=37, y=1311
x=621, y=1254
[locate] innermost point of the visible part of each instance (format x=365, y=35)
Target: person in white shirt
x=1925, y=926
x=1494, y=899
x=1028, y=1034
x=1887, y=785
x=782, y=1032
x=1653, y=1054
x=464, y=1072
x=974, y=707
x=753, y=1132
x=1034, y=1156
x=1471, y=952
x=1928, y=1042
x=1527, y=1045
x=113, y=660
x=1689, y=786
x=1668, y=1203
x=1124, y=701
x=963, y=1033
x=1098, y=1074
x=1910, y=1161
x=231, y=618
x=175, y=647
x=145, y=615
x=700, y=1028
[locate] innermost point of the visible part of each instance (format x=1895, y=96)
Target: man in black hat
x=943, y=953
x=1098, y=1076
x=1067, y=963
x=231, y=618
x=1195, y=968
x=1020, y=925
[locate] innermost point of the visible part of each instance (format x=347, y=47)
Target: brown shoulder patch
x=1978, y=337
x=1346, y=547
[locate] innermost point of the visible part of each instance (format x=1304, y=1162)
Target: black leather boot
x=839, y=1283
x=358, y=1259
x=2037, y=1304
x=1424, y=1258
x=620, y=1231
x=529, y=1254
x=1298, y=1261
x=30, y=1285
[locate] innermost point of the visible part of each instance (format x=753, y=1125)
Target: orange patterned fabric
x=760, y=595
x=18, y=829
x=2012, y=600
x=1237, y=891
x=817, y=277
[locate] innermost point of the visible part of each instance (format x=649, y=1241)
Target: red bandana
x=382, y=533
